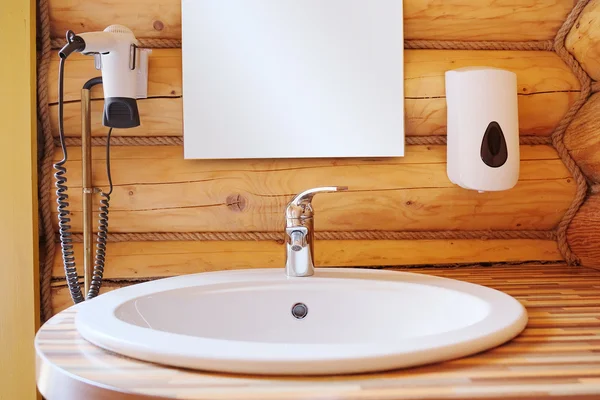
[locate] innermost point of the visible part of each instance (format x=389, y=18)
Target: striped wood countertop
x=556, y=357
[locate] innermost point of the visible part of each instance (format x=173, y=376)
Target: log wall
x=157, y=191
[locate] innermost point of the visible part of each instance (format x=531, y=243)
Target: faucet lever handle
x=307, y=196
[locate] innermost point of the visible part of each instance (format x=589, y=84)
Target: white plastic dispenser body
x=483, y=128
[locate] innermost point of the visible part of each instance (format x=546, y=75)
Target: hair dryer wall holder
x=138, y=58
x=87, y=186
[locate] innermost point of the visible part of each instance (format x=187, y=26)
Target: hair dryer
x=117, y=47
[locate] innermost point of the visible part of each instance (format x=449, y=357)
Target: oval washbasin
x=337, y=321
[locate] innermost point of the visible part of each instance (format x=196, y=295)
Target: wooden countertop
x=556, y=357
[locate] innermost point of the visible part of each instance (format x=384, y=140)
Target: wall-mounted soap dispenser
x=483, y=128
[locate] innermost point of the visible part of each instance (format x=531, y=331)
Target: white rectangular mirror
x=293, y=78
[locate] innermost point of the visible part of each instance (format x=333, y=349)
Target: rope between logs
x=45, y=175
x=557, y=139
x=325, y=235
x=178, y=140
x=559, y=133
x=541, y=45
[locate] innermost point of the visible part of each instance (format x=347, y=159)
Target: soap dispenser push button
x=494, y=152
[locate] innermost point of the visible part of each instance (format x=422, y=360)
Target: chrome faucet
x=299, y=232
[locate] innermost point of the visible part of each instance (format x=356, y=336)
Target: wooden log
x=583, y=41
x=537, y=72
x=537, y=283
x=547, y=88
x=164, y=75
x=582, y=138
x=423, y=19
x=130, y=261
x=583, y=234
x=61, y=298
x=145, y=260
x=157, y=190
x=159, y=117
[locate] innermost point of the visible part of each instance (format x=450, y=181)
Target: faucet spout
x=307, y=195
x=299, y=231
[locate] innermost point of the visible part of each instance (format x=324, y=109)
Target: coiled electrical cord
x=62, y=198
x=102, y=238
x=64, y=219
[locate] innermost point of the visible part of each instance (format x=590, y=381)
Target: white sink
x=356, y=321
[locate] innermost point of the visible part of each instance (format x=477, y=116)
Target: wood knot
x=409, y=203
x=158, y=25
x=236, y=202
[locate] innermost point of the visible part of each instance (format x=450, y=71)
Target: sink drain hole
x=299, y=310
